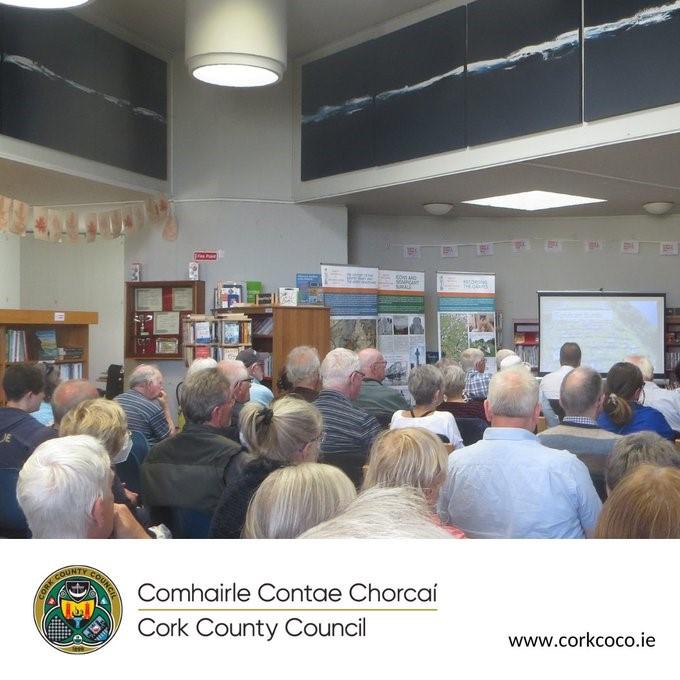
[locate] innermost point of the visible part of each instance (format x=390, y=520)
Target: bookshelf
x=526, y=341
x=19, y=339
x=154, y=314
x=672, y=343
x=221, y=336
x=277, y=329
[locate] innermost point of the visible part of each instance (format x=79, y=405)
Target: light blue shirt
x=508, y=485
x=260, y=393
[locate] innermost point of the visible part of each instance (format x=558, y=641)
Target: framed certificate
x=167, y=346
x=166, y=323
x=149, y=299
x=182, y=299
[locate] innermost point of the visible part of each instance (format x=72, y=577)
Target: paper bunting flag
x=162, y=207
x=669, y=248
x=129, y=226
x=71, y=223
x=553, y=246
x=484, y=249
x=170, y=228
x=90, y=227
x=55, y=225
x=116, y=217
x=152, y=211
x=40, y=221
x=19, y=217
x=138, y=216
x=5, y=213
x=104, y=225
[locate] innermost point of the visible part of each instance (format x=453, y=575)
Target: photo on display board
x=385, y=325
x=354, y=334
x=400, y=325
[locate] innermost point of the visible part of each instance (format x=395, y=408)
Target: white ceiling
x=627, y=175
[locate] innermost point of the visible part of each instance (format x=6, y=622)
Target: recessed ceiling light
x=438, y=209
x=534, y=200
x=45, y=4
x=658, y=207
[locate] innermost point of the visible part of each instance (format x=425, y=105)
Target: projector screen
x=607, y=327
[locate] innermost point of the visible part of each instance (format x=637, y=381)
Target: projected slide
x=607, y=327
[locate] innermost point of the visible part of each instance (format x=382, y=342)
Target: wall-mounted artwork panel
x=632, y=55
x=420, y=89
x=70, y=86
x=338, y=112
x=523, y=68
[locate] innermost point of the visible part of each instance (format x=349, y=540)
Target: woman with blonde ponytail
x=287, y=432
x=621, y=412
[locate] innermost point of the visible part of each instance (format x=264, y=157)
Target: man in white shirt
x=549, y=393
x=666, y=401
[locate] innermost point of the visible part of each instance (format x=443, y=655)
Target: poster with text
x=467, y=314
x=352, y=295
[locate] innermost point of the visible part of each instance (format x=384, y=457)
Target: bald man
x=375, y=398
x=69, y=394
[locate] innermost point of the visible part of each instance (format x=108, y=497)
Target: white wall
x=85, y=277
x=373, y=239
x=10, y=271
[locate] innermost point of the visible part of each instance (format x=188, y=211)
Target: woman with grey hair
x=454, y=401
x=426, y=385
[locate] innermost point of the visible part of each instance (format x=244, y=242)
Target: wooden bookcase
x=290, y=327
x=149, y=336
x=219, y=337
x=525, y=340
x=672, y=345
x=72, y=329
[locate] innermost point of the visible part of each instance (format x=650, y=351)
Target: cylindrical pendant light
x=237, y=43
x=45, y=4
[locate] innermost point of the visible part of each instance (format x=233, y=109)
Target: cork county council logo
x=77, y=609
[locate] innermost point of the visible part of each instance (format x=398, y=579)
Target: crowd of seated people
x=339, y=453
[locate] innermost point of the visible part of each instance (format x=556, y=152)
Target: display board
x=467, y=314
x=401, y=324
x=607, y=327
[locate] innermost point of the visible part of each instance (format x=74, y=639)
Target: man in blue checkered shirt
x=472, y=361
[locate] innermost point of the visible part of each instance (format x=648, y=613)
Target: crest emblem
x=77, y=609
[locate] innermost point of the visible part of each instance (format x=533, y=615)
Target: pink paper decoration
x=90, y=227
x=19, y=217
x=71, y=223
x=5, y=213
x=116, y=218
x=170, y=228
x=55, y=225
x=40, y=222
x=104, y=225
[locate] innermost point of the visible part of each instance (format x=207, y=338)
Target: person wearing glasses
x=375, y=398
x=237, y=374
x=348, y=428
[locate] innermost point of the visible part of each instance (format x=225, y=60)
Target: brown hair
x=623, y=381
x=645, y=504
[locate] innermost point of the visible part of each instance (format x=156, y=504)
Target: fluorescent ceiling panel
x=534, y=200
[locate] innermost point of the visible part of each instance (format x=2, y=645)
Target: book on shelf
x=228, y=293
x=16, y=345
x=265, y=299
x=253, y=288
x=263, y=325
x=48, y=349
x=288, y=297
x=202, y=333
x=231, y=332
x=71, y=371
x=311, y=292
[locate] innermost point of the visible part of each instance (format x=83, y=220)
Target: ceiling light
x=236, y=43
x=45, y=4
x=658, y=207
x=535, y=200
x=438, y=208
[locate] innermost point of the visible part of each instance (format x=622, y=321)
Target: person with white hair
x=302, y=371
x=146, y=405
x=347, y=428
x=472, y=361
x=375, y=398
x=508, y=485
x=237, y=374
x=381, y=512
x=64, y=490
x=666, y=401
x=503, y=354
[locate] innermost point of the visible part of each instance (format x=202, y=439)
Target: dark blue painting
x=632, y=55
x=523, y=67
x=70, y=86
x=420, y=89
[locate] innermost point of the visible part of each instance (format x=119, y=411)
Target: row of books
x=15, y=341
x=672, y=359
x=209, y=351
x=234, y=329
x=71, y=371
x=528, y=353
x=263, y=325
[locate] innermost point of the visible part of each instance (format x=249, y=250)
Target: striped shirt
x=347, y=429
x=144, y=415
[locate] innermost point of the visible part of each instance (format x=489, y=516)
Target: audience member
x=581, y=397
x=646, y=504
x=511, y=486
x=200, y=364
x=302, y=370
x=146, y=406
x=69, y=394
x=512, y=360
x=426, y=385
x=665, y=401
x=296, y=498
x=382, y=513
x=472, y=361
x=502, y=354
x=454, y=401
x=445, y=362
x=638, y=449
x=64, y=490
x=189, y=470
x=622, y=413
x=20, y=433
x=375, y=398
x=411, y=457
x=549, y=395
x=254, y=363
x=347, y=428
x=240, y=381
x=287, y=433
x=52, y=377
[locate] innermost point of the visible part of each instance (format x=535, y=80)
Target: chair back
x=128, y=472
x=557, y=408
x=596, y=464
x=350, y=462
x=189, y=523
x=114, y=381
x=471, y=429
x=12, y=521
